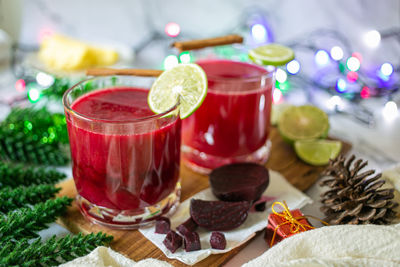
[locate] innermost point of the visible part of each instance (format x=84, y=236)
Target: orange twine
x=296, y=226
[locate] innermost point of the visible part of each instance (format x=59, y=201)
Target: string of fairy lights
x=336, y=68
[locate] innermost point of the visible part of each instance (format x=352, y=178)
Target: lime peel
x=317, y=152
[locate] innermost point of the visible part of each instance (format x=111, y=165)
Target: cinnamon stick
x=133, y=72
x=202, y=43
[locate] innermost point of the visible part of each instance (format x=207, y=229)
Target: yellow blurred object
x=65, y=54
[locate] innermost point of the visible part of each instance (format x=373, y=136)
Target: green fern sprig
x=52, y=252
x=26, y=222
x=22, y=196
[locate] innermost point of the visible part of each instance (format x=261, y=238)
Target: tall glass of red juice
x=232, y=124
x=125, y=159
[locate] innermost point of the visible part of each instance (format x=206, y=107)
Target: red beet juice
x=232, y=124
x=125, y=158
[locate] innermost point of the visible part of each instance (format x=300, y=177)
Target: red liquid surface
x=234, y=117
x=123, y=166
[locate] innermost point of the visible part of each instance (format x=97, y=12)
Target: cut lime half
x=271, y=54
x=186, y=83
x=276, y=112
x=302, y=123
x=317, y=152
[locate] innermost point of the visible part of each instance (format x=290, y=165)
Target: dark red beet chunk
x=191, y=241
x=172, y=241
x=218, y=215
x=163, y=225
x=217, y=240
x=239, y=181
x=260, y=206
x=188, y=226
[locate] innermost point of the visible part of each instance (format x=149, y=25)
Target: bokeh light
x=365, y=92
x=185, y=57
x=170, y=62
x=259, y=33
x=341, y=85
x=372, y=38
x=352, y=76
x=277, y=96
x=20, y=85
x=335, y=102
x=321, y=58
x=336, y=53
x=44, y=79
x=386, y=69
x=172, y=29
x=390, y=111
x=293, y=67
x=280, y=75
x=33, y=95
x=353, y=64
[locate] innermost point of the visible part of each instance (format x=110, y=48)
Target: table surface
x=380, y=145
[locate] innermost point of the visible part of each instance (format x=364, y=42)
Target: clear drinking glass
x=125, y=159
x=232, y=124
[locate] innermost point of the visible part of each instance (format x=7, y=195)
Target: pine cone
x=354, y=197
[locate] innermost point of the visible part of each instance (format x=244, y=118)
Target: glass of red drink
x=125, y=159
x=232, y=124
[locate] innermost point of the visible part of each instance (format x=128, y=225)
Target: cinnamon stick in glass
x=133, y=72
x=202, y=43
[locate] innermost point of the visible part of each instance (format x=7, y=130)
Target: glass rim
x=67, y=105
x=267, y=74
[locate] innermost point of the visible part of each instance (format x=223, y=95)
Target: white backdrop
x=130, y=21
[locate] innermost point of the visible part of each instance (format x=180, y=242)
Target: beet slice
x=188, y=226
x=239, y=181
x=191, y=241
x=217, y=240
x=163, y=225
x=218, y=215
x=172, y=241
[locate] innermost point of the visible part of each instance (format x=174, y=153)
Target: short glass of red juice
x=232, y=124
x=125, y=158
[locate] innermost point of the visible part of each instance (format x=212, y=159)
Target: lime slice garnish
x=276, y=112
x=302, y=123
x=186, y=83
x=317, y=152
x=271, y=54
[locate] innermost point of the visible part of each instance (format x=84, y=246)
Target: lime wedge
x=186, y=83
x=317, y=152
x=302, y=123
x=276, y=112
x=271, y=54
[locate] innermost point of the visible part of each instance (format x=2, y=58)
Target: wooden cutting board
x=135, y=246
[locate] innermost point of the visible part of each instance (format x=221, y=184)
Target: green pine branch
x=14, y=175
x=58, y=88
x=41, y=123
x=26, y=222
x=51, y=252
x=22, y=196
x=17, y=147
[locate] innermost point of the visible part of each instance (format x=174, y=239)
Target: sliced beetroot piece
x=188, y=226
x=217, y=240
x=239, y=181
x=218, y=215
x=172, y=241
x=163, y=225
x=191, y=241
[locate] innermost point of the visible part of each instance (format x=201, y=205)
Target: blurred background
x=347, y=52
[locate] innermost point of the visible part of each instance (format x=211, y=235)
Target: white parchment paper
x=278, y=188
